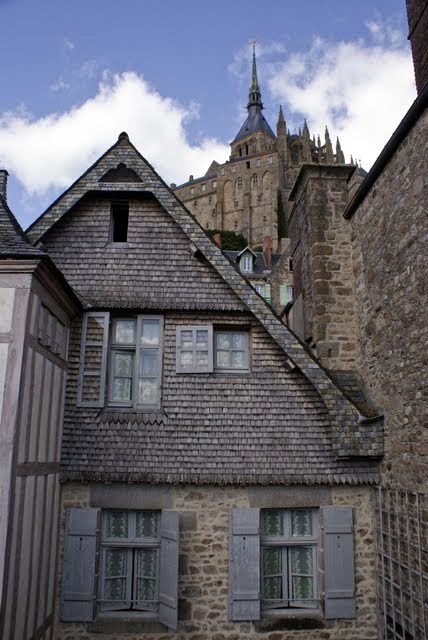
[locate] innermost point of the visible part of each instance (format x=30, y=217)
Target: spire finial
x=254, y=96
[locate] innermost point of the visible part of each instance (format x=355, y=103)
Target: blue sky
x=175, y=76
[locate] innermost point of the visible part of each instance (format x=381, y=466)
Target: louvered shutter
x=339, y=563
x=93, y=359
x=244, y=564
x=168, y=577
x=78, y=579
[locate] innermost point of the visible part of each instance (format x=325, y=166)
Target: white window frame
x=203, y=187
x=288, y=604
x=214, y=184
x=211, y=365
x=260, y=288
x=258, y=162
x=246, y=263
x=136, y=348
x=130, y=544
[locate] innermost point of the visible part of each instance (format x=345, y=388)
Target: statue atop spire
x=254, y=95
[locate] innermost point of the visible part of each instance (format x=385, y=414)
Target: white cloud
x=47, y=154
x=360, y=90
x=60, y=85
x=68, y=44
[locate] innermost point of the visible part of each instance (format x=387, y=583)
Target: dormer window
x=247, y=264
x=119, y=221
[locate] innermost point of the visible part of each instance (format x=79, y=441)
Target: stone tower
x=241, y=194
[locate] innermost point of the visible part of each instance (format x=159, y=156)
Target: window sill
x=291, y=619
x=119, y=622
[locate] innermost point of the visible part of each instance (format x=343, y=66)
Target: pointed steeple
x=254, y=95
x=340, y=158
x=328, y=147
x=306, y=143
x=281, y=120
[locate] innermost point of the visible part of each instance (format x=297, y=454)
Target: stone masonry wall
x=203, y=570
x=417, y=12
x=390, y=234
x=321, y=252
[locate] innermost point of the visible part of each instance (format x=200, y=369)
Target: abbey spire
x=254, y=95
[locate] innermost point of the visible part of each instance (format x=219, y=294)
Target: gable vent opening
x=119, y=221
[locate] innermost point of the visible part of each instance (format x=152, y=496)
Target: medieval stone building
x=177, y=461
x=242, y=194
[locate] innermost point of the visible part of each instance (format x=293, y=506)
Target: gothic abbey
x=243, y=194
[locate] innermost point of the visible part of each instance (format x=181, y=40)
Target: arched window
x=239, y=184
x=254, y=181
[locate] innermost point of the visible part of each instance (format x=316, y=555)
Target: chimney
x=217, y=239
x=267, y=251
x=3, y=183
x=190, y=178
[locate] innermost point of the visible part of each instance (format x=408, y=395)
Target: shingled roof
x=13, y=241
x=351, y=432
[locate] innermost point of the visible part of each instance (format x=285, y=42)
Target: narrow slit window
x=119, y=221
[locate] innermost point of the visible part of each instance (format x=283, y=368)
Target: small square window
x=214, y=184
x=270, y=160
x=234, y=168
x=192, y=191
x=203, y=187
x=231, y=350
x=248, y=164
x=222, y=171
x=119, y=221
x=202, y=350
x=258, y=162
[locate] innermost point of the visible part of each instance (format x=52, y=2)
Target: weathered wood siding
x=32, y=381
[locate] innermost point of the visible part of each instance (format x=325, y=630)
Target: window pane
x=91, y=388
x=272, y=523
x=301, y=560
x=125, y=332
x=238, y=341
x=223, y=358
x=116, y=524
x=147, y=391
x=223, y=340
x=272, y=564
x=149, y=363
x=202, y=358
x=238, y=359
x=123, y=364
x=202, y=338
x=146, y=574
x=115, y=576
x=150, y=332
x=95, y=329
x=186, y=358
x=147, y=524
x=301, y=522
x=186, y=338
x=302, y=587
x=122, y=389
x=272, y=588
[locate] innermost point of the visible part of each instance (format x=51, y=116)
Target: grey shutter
x=168, y=576
x=78, y=578
x=93, y=359
x=268, y=295
x=339, y=563
x=244, y=564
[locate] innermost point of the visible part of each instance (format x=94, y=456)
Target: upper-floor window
x=192, y=191
x=285, y=294
x=246, y=263
x=202, y=349
x=234, y=168
x=119, y=221
x=239, y=184
x=222, y=171
x=270, y=160
x=258, y=162
x=214, y=184
x=130, y=359
x=254, y=181
x=203, y=187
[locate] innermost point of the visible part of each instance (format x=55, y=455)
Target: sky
x=175, y=77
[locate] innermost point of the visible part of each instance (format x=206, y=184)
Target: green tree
x=230, y=240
